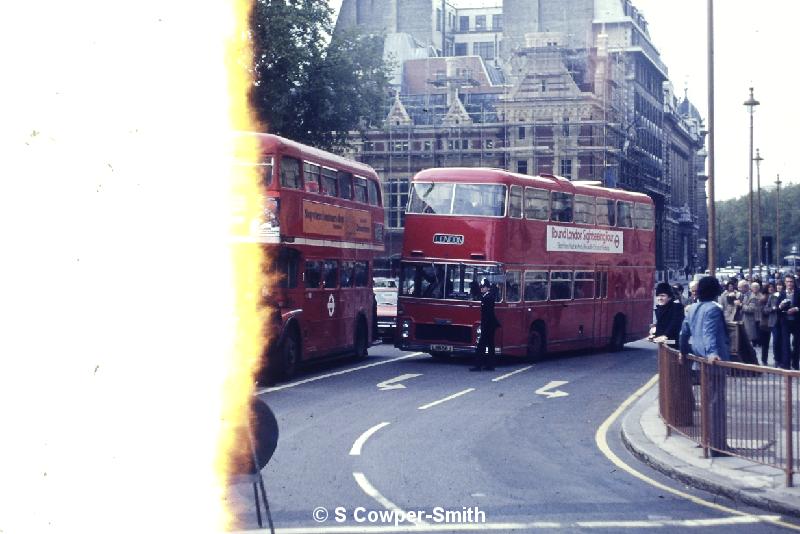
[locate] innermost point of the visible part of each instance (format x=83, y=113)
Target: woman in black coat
x=669, y=315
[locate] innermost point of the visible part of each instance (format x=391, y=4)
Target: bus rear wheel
x=290, y=356
x=618, y=335
x=537, y=345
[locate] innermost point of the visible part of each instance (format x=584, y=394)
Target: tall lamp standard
x=751, y=103
x=758, y=159
x=777, y=246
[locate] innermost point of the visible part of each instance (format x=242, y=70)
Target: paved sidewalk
x=645, y=435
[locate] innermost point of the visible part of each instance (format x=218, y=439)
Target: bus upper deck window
x=290, y=172
x=345, y=185
x=561, y=209
x=360, y=189
x=311, y=174
x=328, y=182
x=373, y=192
x=624, y=214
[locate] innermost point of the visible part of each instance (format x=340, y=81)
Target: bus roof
x=275, y=142
x=548, y=181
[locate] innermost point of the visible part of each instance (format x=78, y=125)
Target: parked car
x=386, y=298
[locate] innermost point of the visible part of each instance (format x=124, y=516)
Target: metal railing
x=742, y=410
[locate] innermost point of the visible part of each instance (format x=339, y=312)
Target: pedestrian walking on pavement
x=731, y=303
x=766, y=321
x=750, y=311
x=489, y=323
x=704, y=334
x=789, y=314
x=774, y=320
x=669, y=316
x=692, y=292
x=677, y=289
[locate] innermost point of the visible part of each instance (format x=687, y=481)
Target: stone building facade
x=569, y=87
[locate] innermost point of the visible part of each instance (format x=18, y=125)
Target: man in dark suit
x=789, y=317
x=489, y=323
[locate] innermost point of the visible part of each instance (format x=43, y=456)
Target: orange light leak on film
x=131, y=319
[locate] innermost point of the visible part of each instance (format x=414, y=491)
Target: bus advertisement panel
x=574, y=263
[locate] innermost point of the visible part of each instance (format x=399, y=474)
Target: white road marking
x=512, y=373
x=535, y=525
x=355, y=450
x=368, y=488
x=337, y=373
x=392, y=383
x=601, y=440
x=553, y=394
x=453, y=396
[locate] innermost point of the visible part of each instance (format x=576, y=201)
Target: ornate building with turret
x=570, y=87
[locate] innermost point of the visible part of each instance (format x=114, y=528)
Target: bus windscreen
x=488, y=200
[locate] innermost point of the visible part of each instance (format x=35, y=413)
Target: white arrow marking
x=392, y=383
x=553, y=394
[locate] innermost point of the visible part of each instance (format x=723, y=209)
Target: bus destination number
x=448, y=239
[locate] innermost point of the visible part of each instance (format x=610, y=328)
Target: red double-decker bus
x=574, y=262
x=322, y=225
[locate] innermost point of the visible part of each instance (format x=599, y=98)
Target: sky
x=749, y=43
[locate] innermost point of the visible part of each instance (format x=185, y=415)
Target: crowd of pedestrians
x=769, y=314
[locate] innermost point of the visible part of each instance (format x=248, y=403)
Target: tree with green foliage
x=308, y=87
x=732, y=218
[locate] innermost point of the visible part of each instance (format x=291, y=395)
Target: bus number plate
x=448, y=239
x=442, y=348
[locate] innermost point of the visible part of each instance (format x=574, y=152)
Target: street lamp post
x=777, y=246
x=758, y=160
x=751, y=103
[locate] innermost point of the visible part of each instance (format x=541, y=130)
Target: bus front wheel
x=537, y=345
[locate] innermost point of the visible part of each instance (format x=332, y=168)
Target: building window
x=480, y=23
x=497, y=22
x=426, y=145
x=566, y=168
x=483, y=49
x=396, y=200
x=465, y=144
x=543, y=87
x=522, y=166
x=463, y=24
x=438, y=20
x=521, y=133
x=489, y=144
x=565, y=127
x=460, y=49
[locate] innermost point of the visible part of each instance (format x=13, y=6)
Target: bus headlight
x=405, y=329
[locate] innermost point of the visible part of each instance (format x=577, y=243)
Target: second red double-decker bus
x=322, y=225
x=574, y=262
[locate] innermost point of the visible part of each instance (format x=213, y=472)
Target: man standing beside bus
x=489, y=323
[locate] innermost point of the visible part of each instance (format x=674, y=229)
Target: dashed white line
x=337, y=373
x=512, y=373
x=450, y=397
x=355, y=450
x=367, y=488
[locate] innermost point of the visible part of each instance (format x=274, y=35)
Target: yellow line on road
x=602, y=444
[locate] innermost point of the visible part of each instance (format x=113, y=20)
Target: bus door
x=512, y=315
x=315, y=309
x=334, y=308
x=602, y=325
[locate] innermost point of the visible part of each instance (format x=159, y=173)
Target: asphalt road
x=480, y=443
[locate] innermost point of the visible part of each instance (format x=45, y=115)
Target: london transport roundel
x=331, y=305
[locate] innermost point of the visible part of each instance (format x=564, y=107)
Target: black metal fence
x=733, y=408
